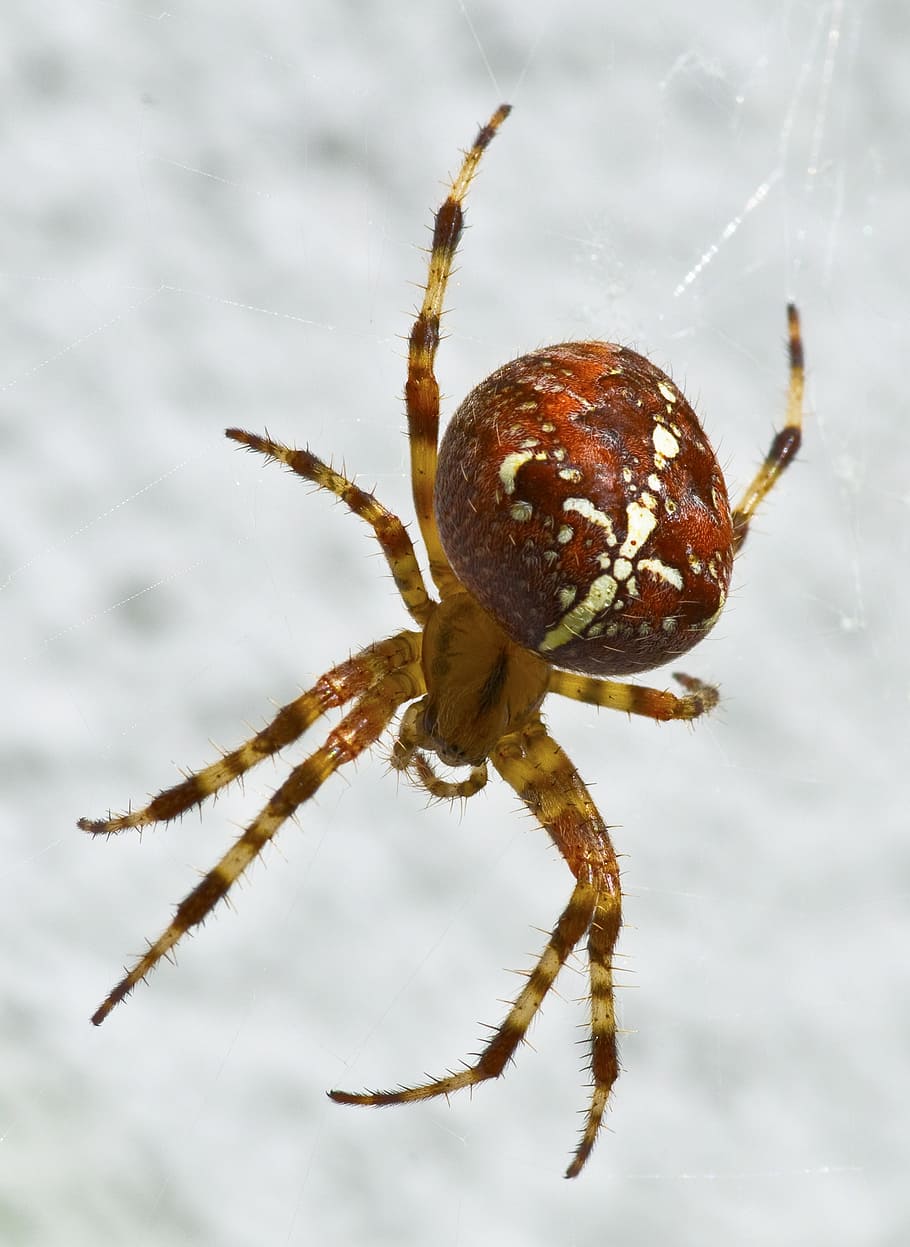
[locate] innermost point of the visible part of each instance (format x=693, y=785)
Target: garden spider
x=577, y=528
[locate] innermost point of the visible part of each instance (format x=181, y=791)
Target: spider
x=577, y=528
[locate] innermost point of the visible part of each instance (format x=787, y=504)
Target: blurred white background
x=212, y=216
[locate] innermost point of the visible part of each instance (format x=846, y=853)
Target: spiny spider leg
x=784, y=444
x=387, y=528
x=421, y=388
x=357, y=731
x=545, y=779
x=339, y=685
x=636, y=698
x=542, y=775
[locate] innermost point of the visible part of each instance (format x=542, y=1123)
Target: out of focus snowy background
x=212, y=216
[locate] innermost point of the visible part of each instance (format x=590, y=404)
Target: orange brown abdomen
x=579, y=500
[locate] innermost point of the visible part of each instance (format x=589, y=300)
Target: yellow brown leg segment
x=542, y=775
x=500, y=1049
x=602, y=937
x=548, y=783
x=421, y=387
x=360, y=728
x=635, y=698
x=387, y=528
x=785, y=444
x=348, y=680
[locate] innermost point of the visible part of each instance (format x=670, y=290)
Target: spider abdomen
x=580, y=502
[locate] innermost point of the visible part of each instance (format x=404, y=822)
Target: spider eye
x=580, y=502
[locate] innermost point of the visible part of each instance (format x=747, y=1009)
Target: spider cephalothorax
x=577, y=528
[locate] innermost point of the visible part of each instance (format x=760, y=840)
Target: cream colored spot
x=667, y=391
x=642, y=523
x=582, y=403
x=585, y=507
x=565, y=535
x=567, y=596
x=669, y=574
x=510, y=466
x=708, y=624
x=655, y=483
x=572, y=625
x=514, y=462
x=622, y=569
x=664, y=442
x=521, y=511
x=569, y=474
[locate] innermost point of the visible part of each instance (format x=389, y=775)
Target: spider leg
x=634, y=698
x=421, y=388
x=357, y=731
x=340, y=685
x=542, y=775
x=785, y=444
x=545, y=779
x=388, y=528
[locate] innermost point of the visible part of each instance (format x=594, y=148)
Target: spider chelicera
x=577, y=528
